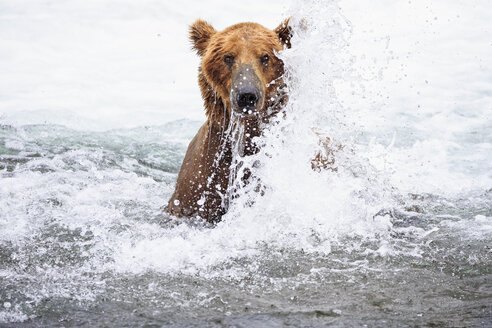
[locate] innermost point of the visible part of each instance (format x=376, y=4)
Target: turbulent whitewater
x=399, y=234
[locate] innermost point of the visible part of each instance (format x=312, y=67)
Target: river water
x=399, y=235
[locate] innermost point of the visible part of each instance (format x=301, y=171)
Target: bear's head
x=240, y=71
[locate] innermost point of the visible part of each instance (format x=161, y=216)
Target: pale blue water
x=72, y=200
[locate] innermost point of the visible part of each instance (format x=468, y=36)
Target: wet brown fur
x=204, y=175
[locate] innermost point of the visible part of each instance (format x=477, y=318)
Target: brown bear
x=240, y=78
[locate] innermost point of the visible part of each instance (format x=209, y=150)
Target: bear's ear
x=200, y=33
x=284, y=32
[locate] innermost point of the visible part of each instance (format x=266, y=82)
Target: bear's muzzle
x=247, y=94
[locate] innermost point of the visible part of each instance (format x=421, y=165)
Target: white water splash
x=304, y=209
x=301, y=208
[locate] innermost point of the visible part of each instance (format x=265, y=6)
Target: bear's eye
x=264, y=59
x=229, y=59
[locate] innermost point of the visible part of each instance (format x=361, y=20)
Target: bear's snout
x=246, y=94
x=247, y=98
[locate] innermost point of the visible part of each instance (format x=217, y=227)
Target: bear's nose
x=247, y=99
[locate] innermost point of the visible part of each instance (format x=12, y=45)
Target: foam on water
x=82, y=221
